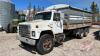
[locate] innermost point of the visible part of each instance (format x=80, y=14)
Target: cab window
x=56, y=17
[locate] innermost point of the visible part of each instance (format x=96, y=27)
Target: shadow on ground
x=68, y=38
x=97, y=35
x=29, y=48
x=32, y=49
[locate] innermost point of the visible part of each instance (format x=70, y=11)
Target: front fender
x=38, y=32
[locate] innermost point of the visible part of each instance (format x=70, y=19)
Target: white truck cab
x=45, y=23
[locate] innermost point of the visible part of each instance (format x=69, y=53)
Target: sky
x=23, y=4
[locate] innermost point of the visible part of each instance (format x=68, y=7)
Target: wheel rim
x=82, y=34
x=47, y=44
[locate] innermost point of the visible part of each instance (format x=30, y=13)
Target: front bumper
x=29, y=41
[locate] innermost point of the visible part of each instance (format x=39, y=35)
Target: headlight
x=33, y=33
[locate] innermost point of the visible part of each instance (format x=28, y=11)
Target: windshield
x=43, y=16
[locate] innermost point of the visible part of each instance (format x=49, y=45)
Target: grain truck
x=52, y=25
x=12, y=26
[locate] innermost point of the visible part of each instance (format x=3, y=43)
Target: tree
x=34, y=8
x=95, y=10
x=34, y=11
x=29, y=11
x=94, y=7
x=43, y=8
x=86, y=9
x=38, y=9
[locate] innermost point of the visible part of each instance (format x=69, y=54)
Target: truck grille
x=24, y=30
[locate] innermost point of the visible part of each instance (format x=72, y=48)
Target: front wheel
x=45, y=44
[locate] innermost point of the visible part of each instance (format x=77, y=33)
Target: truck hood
x=39, y=23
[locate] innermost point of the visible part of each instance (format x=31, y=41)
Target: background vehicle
x=12, y=27
x=52, y=25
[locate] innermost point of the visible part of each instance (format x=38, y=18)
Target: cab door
x=57, y=23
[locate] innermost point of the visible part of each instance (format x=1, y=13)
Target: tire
x=8, y=29
x=80, y=36
x=64, y=37
x=45, y=44
x=86, y=32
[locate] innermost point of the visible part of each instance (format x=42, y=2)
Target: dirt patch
x=88, y=46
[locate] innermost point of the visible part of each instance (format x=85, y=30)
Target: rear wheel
x=45, y=44
x=79, y=33
x=85, y=34
x=80, y=36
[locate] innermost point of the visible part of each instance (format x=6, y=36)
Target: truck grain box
x=53, y=25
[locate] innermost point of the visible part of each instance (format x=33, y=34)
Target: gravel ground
x=88, y=46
